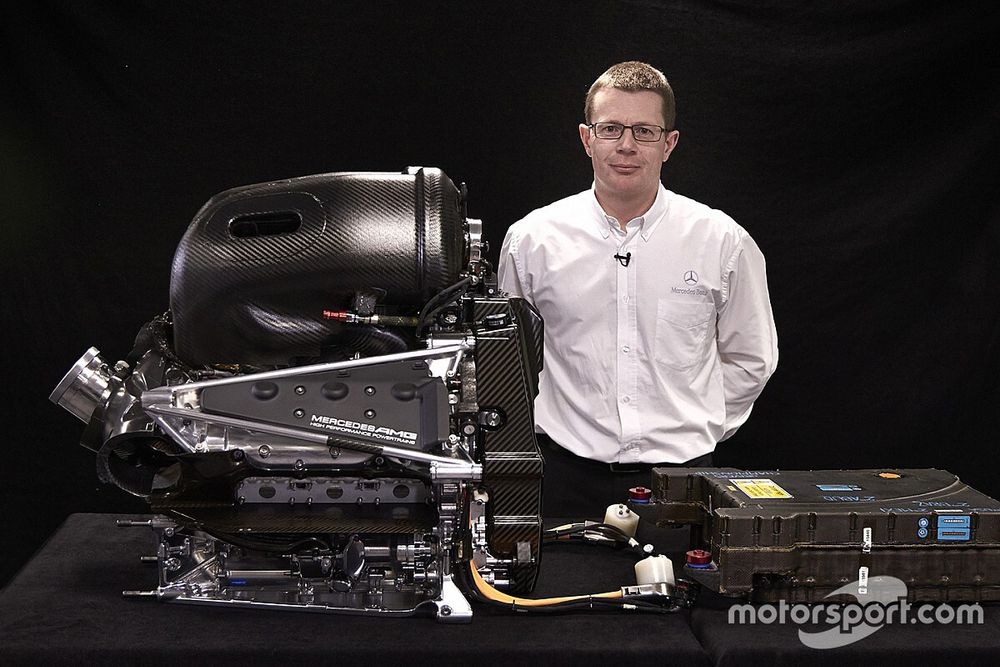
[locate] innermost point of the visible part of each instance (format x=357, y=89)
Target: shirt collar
x=648, y=221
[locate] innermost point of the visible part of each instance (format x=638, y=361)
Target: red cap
x=699, y=557
x=640, y=494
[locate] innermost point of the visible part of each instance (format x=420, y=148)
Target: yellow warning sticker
x=760, y=488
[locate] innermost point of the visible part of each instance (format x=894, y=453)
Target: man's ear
x=673, y=136
x=585, y=138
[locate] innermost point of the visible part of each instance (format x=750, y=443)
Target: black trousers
x=575, y=487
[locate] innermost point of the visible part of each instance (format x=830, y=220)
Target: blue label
x=838, y=487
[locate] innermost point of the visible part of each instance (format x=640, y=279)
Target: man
x=658, y=327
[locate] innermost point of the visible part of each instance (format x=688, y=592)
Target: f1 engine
x=335, y=414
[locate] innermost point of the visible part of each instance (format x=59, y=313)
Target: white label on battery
x=863, y=580
x=866, y=544
x=760, y=488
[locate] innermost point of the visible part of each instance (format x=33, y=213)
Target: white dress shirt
x=652, y=362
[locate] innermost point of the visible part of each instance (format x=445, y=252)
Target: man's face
x=625, y=168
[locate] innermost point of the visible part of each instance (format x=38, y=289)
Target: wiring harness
x=660, y=598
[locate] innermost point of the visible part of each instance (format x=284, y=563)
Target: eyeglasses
x=616, y=130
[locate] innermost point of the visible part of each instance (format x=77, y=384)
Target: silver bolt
x=300, y=390
x=264, y=451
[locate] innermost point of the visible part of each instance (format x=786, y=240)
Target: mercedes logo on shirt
x=691, y=278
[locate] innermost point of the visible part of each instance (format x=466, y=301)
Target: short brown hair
x=633, y=75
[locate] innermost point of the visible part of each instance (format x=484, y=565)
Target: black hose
x=439, y=301
x=372, y=341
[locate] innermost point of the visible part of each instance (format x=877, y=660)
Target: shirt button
x=625, y=349
x=625, y=399
x=625, y=298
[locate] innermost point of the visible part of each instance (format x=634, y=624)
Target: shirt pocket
x=682, y=332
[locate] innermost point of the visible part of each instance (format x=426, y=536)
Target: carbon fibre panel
x=265, y=292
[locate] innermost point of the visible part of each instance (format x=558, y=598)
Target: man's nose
x=627, y=141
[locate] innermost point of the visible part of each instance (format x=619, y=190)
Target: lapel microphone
x=624, y=259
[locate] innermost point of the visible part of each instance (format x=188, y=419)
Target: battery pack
x=798, y=535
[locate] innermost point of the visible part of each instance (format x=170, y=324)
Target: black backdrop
x=856, y=141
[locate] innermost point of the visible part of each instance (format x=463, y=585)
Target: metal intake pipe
x=84, y=387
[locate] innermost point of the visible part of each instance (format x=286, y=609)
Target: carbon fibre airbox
x=259, y=264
